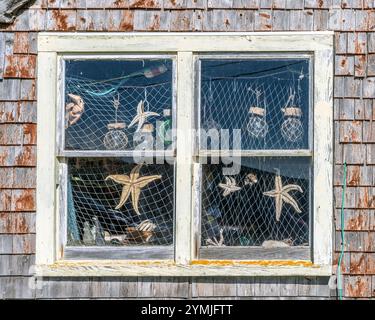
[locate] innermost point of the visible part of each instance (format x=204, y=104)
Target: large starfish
x=132, y=184
x=141, y=116
x=229, y=186
x=281, y=194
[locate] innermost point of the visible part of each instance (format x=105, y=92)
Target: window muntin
x=269, y=99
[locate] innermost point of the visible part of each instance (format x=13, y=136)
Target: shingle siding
x=354, y=24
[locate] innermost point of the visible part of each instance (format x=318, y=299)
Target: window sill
x=223, y=268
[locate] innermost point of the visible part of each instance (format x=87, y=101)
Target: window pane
x=267, y=99
x=266, y=204
x=115, y=202
x=118, y=104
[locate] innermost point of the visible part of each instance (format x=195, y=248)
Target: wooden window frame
x=185, y=46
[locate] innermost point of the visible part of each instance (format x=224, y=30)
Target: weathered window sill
x=170, y=269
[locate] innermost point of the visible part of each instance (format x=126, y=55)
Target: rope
x=339, y=282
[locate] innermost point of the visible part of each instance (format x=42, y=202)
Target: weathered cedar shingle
x=360, y=65
x=358, y=263
x=16, y=288
x=350, y=131
x=120, y=20
x=151, y=20
x=23, y=200
x=354, y=220
x=344, y=65
x=357, y=286
x=145, y=4
x=16, y=265
x=246, y=4
x=17, y=222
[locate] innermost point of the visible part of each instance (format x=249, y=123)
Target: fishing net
x=114, y=201
x=248, y=217
x=270, y=107
x=94, y=219
x=110, y=105
x=269, y=198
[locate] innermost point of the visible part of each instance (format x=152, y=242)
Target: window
x=170, y=148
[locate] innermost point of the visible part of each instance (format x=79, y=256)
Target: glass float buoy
x=292, y=128
x=115, y=138
x=257, y=125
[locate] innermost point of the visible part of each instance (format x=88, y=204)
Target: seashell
x=251, y=179
x=275, y=244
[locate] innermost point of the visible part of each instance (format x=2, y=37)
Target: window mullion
x=185, y=109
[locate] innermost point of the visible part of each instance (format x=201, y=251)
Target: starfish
x=281, y=194
x=229, y=186
x=141, y=116
x=132, y=184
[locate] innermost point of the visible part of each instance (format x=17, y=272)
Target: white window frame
x=51, y=49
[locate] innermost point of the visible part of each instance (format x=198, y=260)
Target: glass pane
x=267, y=99
x=267, y=203
x=118, y=104
x=115, y=202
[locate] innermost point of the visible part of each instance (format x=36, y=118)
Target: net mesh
x=255, y=105
x=246, y=216
x=92, y=215
x=91, y=131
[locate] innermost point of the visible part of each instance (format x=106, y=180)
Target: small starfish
x=229, y=186
x=132, y=184
x=281, y=194
x=141, y=116
x=215, y=242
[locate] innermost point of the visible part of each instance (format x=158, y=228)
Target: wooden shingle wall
x=354, y=24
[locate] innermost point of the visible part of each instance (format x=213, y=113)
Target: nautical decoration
x=115, y=138
x=257, y=125
x=10, y=8
x=133, y=235
x=164, y=131
x=143, y=140
x=229, y=186
x=281, y=194
x=215, y=242
x=132, y=185
x=141, y=116
x=155, y=71
x=141, y=233
x=146, y=225
x=99, y=233
x=292, y=128
x=74, y=109
x=88, y=234
x=116, y=240
x=250, y=179
x=277, y=244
